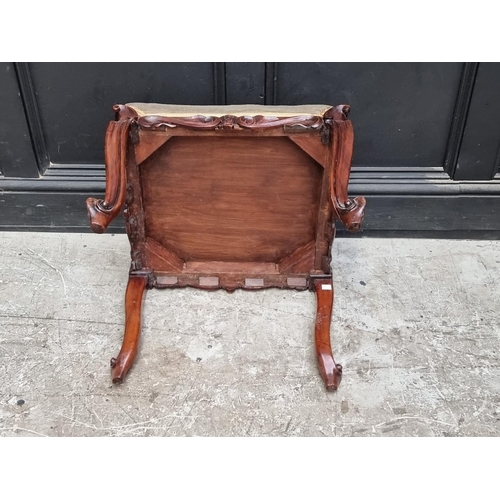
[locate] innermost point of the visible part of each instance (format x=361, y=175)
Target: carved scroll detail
x=338, y=113
x=229, y=122
x=123, y=112
x=259, y=121
x=349, y=210
x=102, y=212
x=198, y=122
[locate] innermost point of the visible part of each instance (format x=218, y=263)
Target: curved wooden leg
x=330, y=371
x=133, y=309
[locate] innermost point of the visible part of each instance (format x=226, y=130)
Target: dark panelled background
x=427, y=135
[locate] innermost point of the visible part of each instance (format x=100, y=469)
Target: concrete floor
x=416, y=326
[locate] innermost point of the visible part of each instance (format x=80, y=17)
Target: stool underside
x=230, y=205
x=229, y=198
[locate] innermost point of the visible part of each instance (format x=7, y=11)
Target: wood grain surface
x=231, y=199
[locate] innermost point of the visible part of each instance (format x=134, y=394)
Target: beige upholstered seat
x=181, y=111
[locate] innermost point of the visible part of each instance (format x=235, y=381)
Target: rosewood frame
x=131, y=139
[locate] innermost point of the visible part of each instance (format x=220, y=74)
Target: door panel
x=479, y=152
x=402, y=112
x=245, y=83
x=416, y=124
x=16, y=153
x=75, y=99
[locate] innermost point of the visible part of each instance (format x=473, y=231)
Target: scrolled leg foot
x=133, y=310
x=353, y=213
x=99, y=220
x=102, y=212
x=330, y=371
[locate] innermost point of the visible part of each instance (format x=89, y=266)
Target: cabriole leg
x=133, y=309
x=329, y=370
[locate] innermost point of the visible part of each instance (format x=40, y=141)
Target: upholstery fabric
x=182, y=111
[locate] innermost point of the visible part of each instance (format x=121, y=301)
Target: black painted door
x=426, y=146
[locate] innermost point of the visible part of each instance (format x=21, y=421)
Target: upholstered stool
x=229, y=197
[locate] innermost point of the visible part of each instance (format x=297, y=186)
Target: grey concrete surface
x=416, y=326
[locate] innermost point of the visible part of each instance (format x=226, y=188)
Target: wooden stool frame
x=229, y=202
